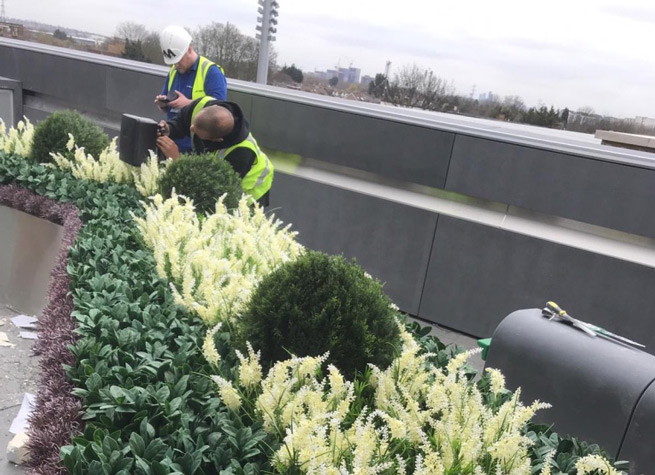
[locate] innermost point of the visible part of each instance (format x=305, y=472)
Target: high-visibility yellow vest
x=199, y=82
x=259, y=178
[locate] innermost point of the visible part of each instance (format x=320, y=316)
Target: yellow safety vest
x=199, y=82
x=259, y=178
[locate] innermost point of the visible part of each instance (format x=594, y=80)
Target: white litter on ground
x=28, y=335
x=24, y=321
x=20, y=423
x=4, y=340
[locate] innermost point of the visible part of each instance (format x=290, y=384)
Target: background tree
x=60, y=34
x=565, y=116
x=151, y=49
x=293, y=72
x=416, y=87
x=134, y=50
x=333, y=81
x=131, y=31
x=377, y=85
x=543, y=116
x=235, y=52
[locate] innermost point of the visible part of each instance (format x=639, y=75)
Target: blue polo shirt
x=215, y=86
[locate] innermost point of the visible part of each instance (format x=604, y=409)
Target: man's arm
x=241, y=159
x=159, y=100
x=215, y=83
x=180, y=124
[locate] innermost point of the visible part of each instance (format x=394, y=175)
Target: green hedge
x=204, y=179
x=318, y=303
x=51, y=135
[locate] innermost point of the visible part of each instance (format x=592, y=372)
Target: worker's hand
x=168, y=147
x=160, y=100
x=163, y=128
x=180, y=102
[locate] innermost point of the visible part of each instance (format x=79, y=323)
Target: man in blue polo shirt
x=191, y=77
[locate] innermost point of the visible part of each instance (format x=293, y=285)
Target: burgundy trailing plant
x=57, y=413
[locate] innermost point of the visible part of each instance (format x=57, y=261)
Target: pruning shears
x=553, y=311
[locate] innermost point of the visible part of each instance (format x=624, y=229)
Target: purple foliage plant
x=57, y=413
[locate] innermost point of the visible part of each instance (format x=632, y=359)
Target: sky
x=566, y=53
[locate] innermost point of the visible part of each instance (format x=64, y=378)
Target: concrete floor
x=18, y=375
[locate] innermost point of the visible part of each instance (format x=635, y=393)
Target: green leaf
x=137, y=444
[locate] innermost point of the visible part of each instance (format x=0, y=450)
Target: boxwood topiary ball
x=204, y=179
x=51, y=135
x=320, y=303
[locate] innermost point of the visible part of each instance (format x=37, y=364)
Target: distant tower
x=387, y=68
x=3, y=17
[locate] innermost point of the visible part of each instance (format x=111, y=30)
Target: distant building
x=12, y=30
x=351, y=75
x=488, y=97
x=84, y=41
x=366, y=80
x=344, y=75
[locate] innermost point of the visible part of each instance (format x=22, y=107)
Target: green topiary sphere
x=51, y=135
x=320, y=303
x=204, y=179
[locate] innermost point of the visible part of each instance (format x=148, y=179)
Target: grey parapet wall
x=600, y=391
x=464, y=219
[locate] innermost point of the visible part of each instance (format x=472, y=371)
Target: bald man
x=220, y=127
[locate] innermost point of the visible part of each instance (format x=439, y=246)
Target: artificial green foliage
x=568, y=450
x=204, y=179
x=320, y=303
x=51, y=135
x=149, y=405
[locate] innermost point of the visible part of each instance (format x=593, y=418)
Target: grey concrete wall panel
x=477, y=274
x=35, y=115
x=131, y=92
x=391, y=241
x=245, y=102
x=592, y=191
x=593, y=384
x=28, y=253
x=8, y=62
x=390, y=149
x=638, y=444
x=80, y=83
x=13, y=90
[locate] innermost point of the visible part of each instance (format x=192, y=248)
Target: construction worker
x=191, y=77
x=220, y=127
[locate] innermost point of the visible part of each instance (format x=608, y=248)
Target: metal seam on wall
x=575, y=234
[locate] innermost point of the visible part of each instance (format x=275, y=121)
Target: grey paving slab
x=18, y=375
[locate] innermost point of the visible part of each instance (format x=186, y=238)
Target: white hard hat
x=174, y=41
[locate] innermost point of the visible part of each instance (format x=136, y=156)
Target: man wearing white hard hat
x=191, y=76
